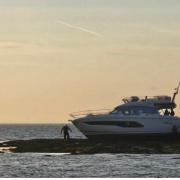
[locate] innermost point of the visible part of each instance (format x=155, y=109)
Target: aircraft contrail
x=79, y=28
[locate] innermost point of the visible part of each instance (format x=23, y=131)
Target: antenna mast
x=176, y=93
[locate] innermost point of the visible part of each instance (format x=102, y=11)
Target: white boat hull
x=115, y=125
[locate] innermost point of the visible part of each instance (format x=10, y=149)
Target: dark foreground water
x=59, y=165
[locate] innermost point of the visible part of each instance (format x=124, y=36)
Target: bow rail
x=80, y=114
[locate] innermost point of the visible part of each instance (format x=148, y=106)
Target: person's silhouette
x=166, y=113
x=65, y=130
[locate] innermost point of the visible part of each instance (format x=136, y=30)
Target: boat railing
x=85, y=113
x=160, y=98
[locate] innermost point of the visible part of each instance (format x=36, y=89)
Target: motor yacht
x=136, y=116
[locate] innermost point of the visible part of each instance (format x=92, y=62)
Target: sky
x=59, y=56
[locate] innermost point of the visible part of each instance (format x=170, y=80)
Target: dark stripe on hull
x=124, y=137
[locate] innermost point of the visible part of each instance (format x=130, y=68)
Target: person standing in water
x=65, y=130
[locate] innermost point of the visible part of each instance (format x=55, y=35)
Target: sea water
x=64, y=165
x=35, y=131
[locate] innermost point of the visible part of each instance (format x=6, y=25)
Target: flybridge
x=160, y=102
x=147, y=99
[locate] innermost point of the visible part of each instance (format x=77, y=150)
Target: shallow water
x=101, y=165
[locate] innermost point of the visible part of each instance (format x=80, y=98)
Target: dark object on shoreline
x=65, y=130
x=83, y=146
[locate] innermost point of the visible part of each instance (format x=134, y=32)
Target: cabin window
x=134, y=110
x=125, y=124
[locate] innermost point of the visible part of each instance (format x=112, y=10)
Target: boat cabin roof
x=134, y=109
x=159, y=102
x=162, y=99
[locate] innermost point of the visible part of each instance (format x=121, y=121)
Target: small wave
x=56, y=154
x=4, y=141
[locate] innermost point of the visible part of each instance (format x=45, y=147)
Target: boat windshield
x=134, y=110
